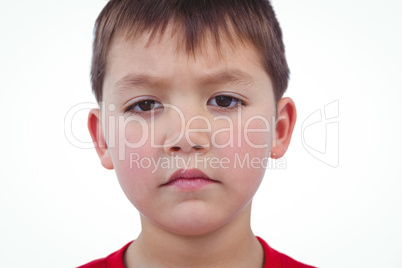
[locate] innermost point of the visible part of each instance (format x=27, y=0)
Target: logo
x=320, y=134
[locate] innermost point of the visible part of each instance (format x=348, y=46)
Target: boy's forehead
x=208, y=49
x=155, y=59
x=147, y=60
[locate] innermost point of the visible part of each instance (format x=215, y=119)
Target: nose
x=189, y=134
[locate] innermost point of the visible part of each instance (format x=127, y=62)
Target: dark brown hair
x=250, y=21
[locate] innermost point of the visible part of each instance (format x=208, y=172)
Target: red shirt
x=273, y=259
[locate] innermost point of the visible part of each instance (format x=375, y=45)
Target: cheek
x=249, y=156
x=133, y=160
x=257, y=133
x=125, y=132
x=249, y=135
x=247, y=165
x=132, y=175
x=247, y=131
x=133, y=132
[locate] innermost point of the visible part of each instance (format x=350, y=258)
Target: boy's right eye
x=143, y=106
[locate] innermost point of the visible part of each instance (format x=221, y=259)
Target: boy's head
x=193, y=23
x=190, y=92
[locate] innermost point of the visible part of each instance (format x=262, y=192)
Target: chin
x=195, y=222
x=193, y=228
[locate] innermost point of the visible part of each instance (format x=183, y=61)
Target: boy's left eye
x=224, y=101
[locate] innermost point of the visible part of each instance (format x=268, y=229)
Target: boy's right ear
x=95, y=129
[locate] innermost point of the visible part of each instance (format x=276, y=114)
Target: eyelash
x=131, y=108
x=237, y=102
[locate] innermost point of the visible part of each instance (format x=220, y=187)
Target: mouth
x=189, y=179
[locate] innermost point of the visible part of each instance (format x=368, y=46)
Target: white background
x=60, y=208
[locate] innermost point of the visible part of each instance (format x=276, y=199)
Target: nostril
x=198, y=147
x=175, y=148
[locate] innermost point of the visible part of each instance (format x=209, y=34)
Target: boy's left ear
x=284, y=127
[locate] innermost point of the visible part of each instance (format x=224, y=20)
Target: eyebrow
x=130, y=81
x=227, y=76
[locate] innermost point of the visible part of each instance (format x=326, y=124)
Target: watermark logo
x=197, y=160
x=231, y=127
x=320, y=134
x=319, y=131
x=70, y=117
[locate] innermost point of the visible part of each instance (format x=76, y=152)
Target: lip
x=189, y=180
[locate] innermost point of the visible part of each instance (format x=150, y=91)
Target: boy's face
x=168, y=115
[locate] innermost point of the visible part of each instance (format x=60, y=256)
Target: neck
x=233, y=245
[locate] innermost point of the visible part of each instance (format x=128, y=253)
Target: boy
x=191, y=109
